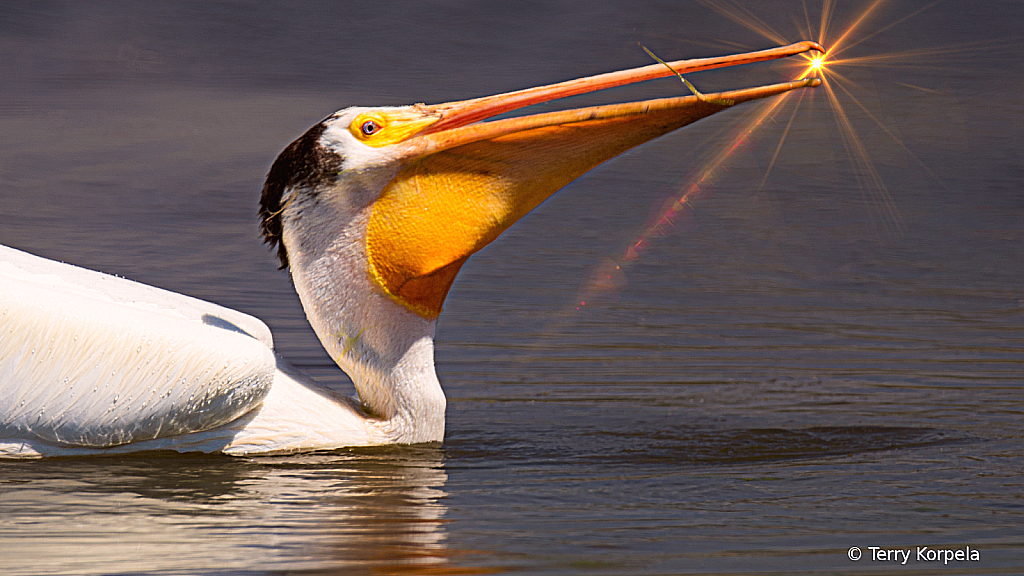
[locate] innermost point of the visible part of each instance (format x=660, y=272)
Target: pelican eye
x=379, y=128
x=369, y=128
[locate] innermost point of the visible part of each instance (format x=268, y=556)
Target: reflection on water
x=384, y=511
x=375, y=510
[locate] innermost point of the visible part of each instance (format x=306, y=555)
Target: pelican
x=373, y=211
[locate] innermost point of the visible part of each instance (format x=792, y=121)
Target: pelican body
x=373, y=211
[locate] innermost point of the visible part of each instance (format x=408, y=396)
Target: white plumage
x=91, y=363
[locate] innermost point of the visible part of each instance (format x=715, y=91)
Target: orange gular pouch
x=446, y=206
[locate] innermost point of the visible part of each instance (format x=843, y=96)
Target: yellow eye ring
x=380, y=128
x=368, y=127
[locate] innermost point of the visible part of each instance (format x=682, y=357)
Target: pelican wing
x=92, y=360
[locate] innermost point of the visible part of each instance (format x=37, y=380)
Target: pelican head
x=375, y=210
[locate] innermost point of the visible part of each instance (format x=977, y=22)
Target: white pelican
x=373, y=211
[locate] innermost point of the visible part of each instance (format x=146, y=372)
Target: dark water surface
x=800, y=364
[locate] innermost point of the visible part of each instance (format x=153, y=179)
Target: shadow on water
x=705, y=447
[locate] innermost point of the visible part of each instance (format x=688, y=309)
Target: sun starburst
x=840, y=92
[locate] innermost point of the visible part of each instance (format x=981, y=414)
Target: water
x=795, y=368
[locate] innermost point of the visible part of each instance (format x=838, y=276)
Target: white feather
x=88, y=359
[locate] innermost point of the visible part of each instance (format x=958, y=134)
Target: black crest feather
x=303, y=164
